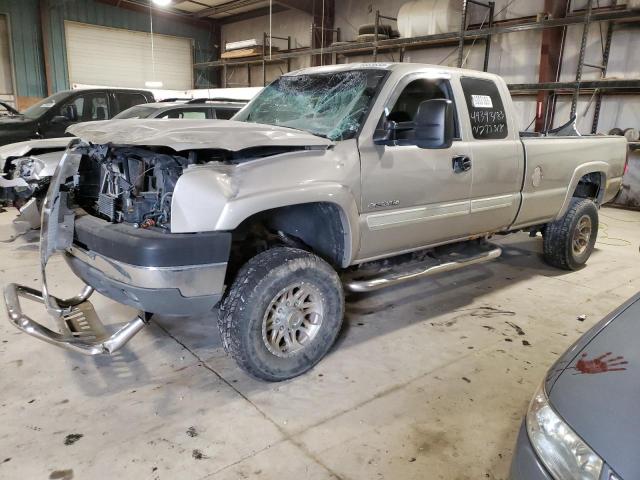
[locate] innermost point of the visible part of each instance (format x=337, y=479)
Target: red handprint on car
x=601, y=364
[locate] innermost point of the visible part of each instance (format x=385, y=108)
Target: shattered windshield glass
x=331, y=105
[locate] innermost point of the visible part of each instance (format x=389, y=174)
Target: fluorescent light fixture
x=153, y=84
x=162, y=3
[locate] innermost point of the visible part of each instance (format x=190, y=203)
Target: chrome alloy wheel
x=293, y=319
x=582, y=235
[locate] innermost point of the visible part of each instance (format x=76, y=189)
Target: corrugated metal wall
x=28, y=62
x=28, y=56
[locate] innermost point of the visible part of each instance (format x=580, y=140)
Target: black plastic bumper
x=150, y=248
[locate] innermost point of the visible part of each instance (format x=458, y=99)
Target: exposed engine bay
x=135, y=184
x=129, y=184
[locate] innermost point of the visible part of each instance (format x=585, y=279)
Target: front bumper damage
x=127, y=265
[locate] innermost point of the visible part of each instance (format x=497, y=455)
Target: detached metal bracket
x=80, y=327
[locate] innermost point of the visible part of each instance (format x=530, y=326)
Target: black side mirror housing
x=434, y=124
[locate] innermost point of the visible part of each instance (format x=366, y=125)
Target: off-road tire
x=558, y=236
x=256, y=285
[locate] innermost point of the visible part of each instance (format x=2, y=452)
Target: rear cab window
x=129, y=99
x=192, y=113
x=486, y=110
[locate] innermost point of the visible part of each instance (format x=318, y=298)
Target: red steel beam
x=550, y=62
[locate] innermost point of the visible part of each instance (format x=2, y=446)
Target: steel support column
x=322, y=30
x=550, y=61
x=583, y=48
x=605, y=63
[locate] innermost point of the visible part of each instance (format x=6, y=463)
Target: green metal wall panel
x=28, y=56
x=28, y=61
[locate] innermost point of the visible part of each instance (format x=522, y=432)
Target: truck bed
x=554, y=166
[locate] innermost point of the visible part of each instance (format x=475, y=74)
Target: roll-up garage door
x=122, y=58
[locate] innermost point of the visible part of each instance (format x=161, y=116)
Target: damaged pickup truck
x=351, y=177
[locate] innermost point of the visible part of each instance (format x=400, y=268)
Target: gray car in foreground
x=583, y=421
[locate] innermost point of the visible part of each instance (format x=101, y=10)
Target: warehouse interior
x=463, y=264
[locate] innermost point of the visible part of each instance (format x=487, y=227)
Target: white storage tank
x=427, y=17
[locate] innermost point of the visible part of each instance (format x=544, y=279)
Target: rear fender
x=591, y=167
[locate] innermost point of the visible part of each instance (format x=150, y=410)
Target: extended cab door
x=413, y=197
x=498, y=159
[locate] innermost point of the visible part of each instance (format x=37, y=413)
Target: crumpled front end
x=149, y=269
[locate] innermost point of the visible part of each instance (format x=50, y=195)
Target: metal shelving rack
x=614, y=15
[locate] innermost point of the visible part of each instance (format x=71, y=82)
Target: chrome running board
x=80, y=328
x=413, y=271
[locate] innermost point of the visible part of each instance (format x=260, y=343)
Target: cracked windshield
x=331, y=105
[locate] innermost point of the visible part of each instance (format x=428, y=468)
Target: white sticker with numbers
x=481, y=101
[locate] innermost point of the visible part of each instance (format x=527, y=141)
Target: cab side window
x=193, y=113
x=92, y=106
x=129, y=99
x=416, y=92
x=486, y=111
x=225, y=113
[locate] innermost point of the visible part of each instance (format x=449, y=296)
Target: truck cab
x=51, y=116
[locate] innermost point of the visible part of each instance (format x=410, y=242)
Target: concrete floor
x=427, y=381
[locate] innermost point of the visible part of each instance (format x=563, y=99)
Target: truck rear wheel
x=569, y=241
x=282, y=314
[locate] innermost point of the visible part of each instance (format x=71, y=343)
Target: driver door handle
x=461, y=163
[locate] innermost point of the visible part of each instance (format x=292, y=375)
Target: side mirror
x=69, y=113
x=434, y=124
x=59, y=119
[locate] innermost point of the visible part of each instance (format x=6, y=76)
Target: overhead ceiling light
x=152, y=84
x=162, y=3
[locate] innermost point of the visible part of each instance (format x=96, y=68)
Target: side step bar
x=81, y=329
x=421, y=269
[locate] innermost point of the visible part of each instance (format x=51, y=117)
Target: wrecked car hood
x=597, y=388
x=21, y=149
x=194, y=134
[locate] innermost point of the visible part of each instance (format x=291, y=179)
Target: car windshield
x=138, y=111
x=331, y=105
x=38, y=109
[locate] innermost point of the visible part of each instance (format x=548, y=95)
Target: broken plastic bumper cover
x=78, y=327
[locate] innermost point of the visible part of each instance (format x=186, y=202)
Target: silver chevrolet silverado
x=350, y=177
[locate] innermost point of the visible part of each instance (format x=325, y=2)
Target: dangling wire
x=322, y=36
x=270, y=25
x=153, y=52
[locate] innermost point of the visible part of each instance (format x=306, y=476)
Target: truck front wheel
x=282, y=314
x=569, y=241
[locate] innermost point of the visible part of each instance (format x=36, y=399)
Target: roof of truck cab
x=213, y=103
x=396, y=67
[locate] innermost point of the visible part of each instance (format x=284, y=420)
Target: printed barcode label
x=481, y=101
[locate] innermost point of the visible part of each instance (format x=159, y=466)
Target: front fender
x=207, y=200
